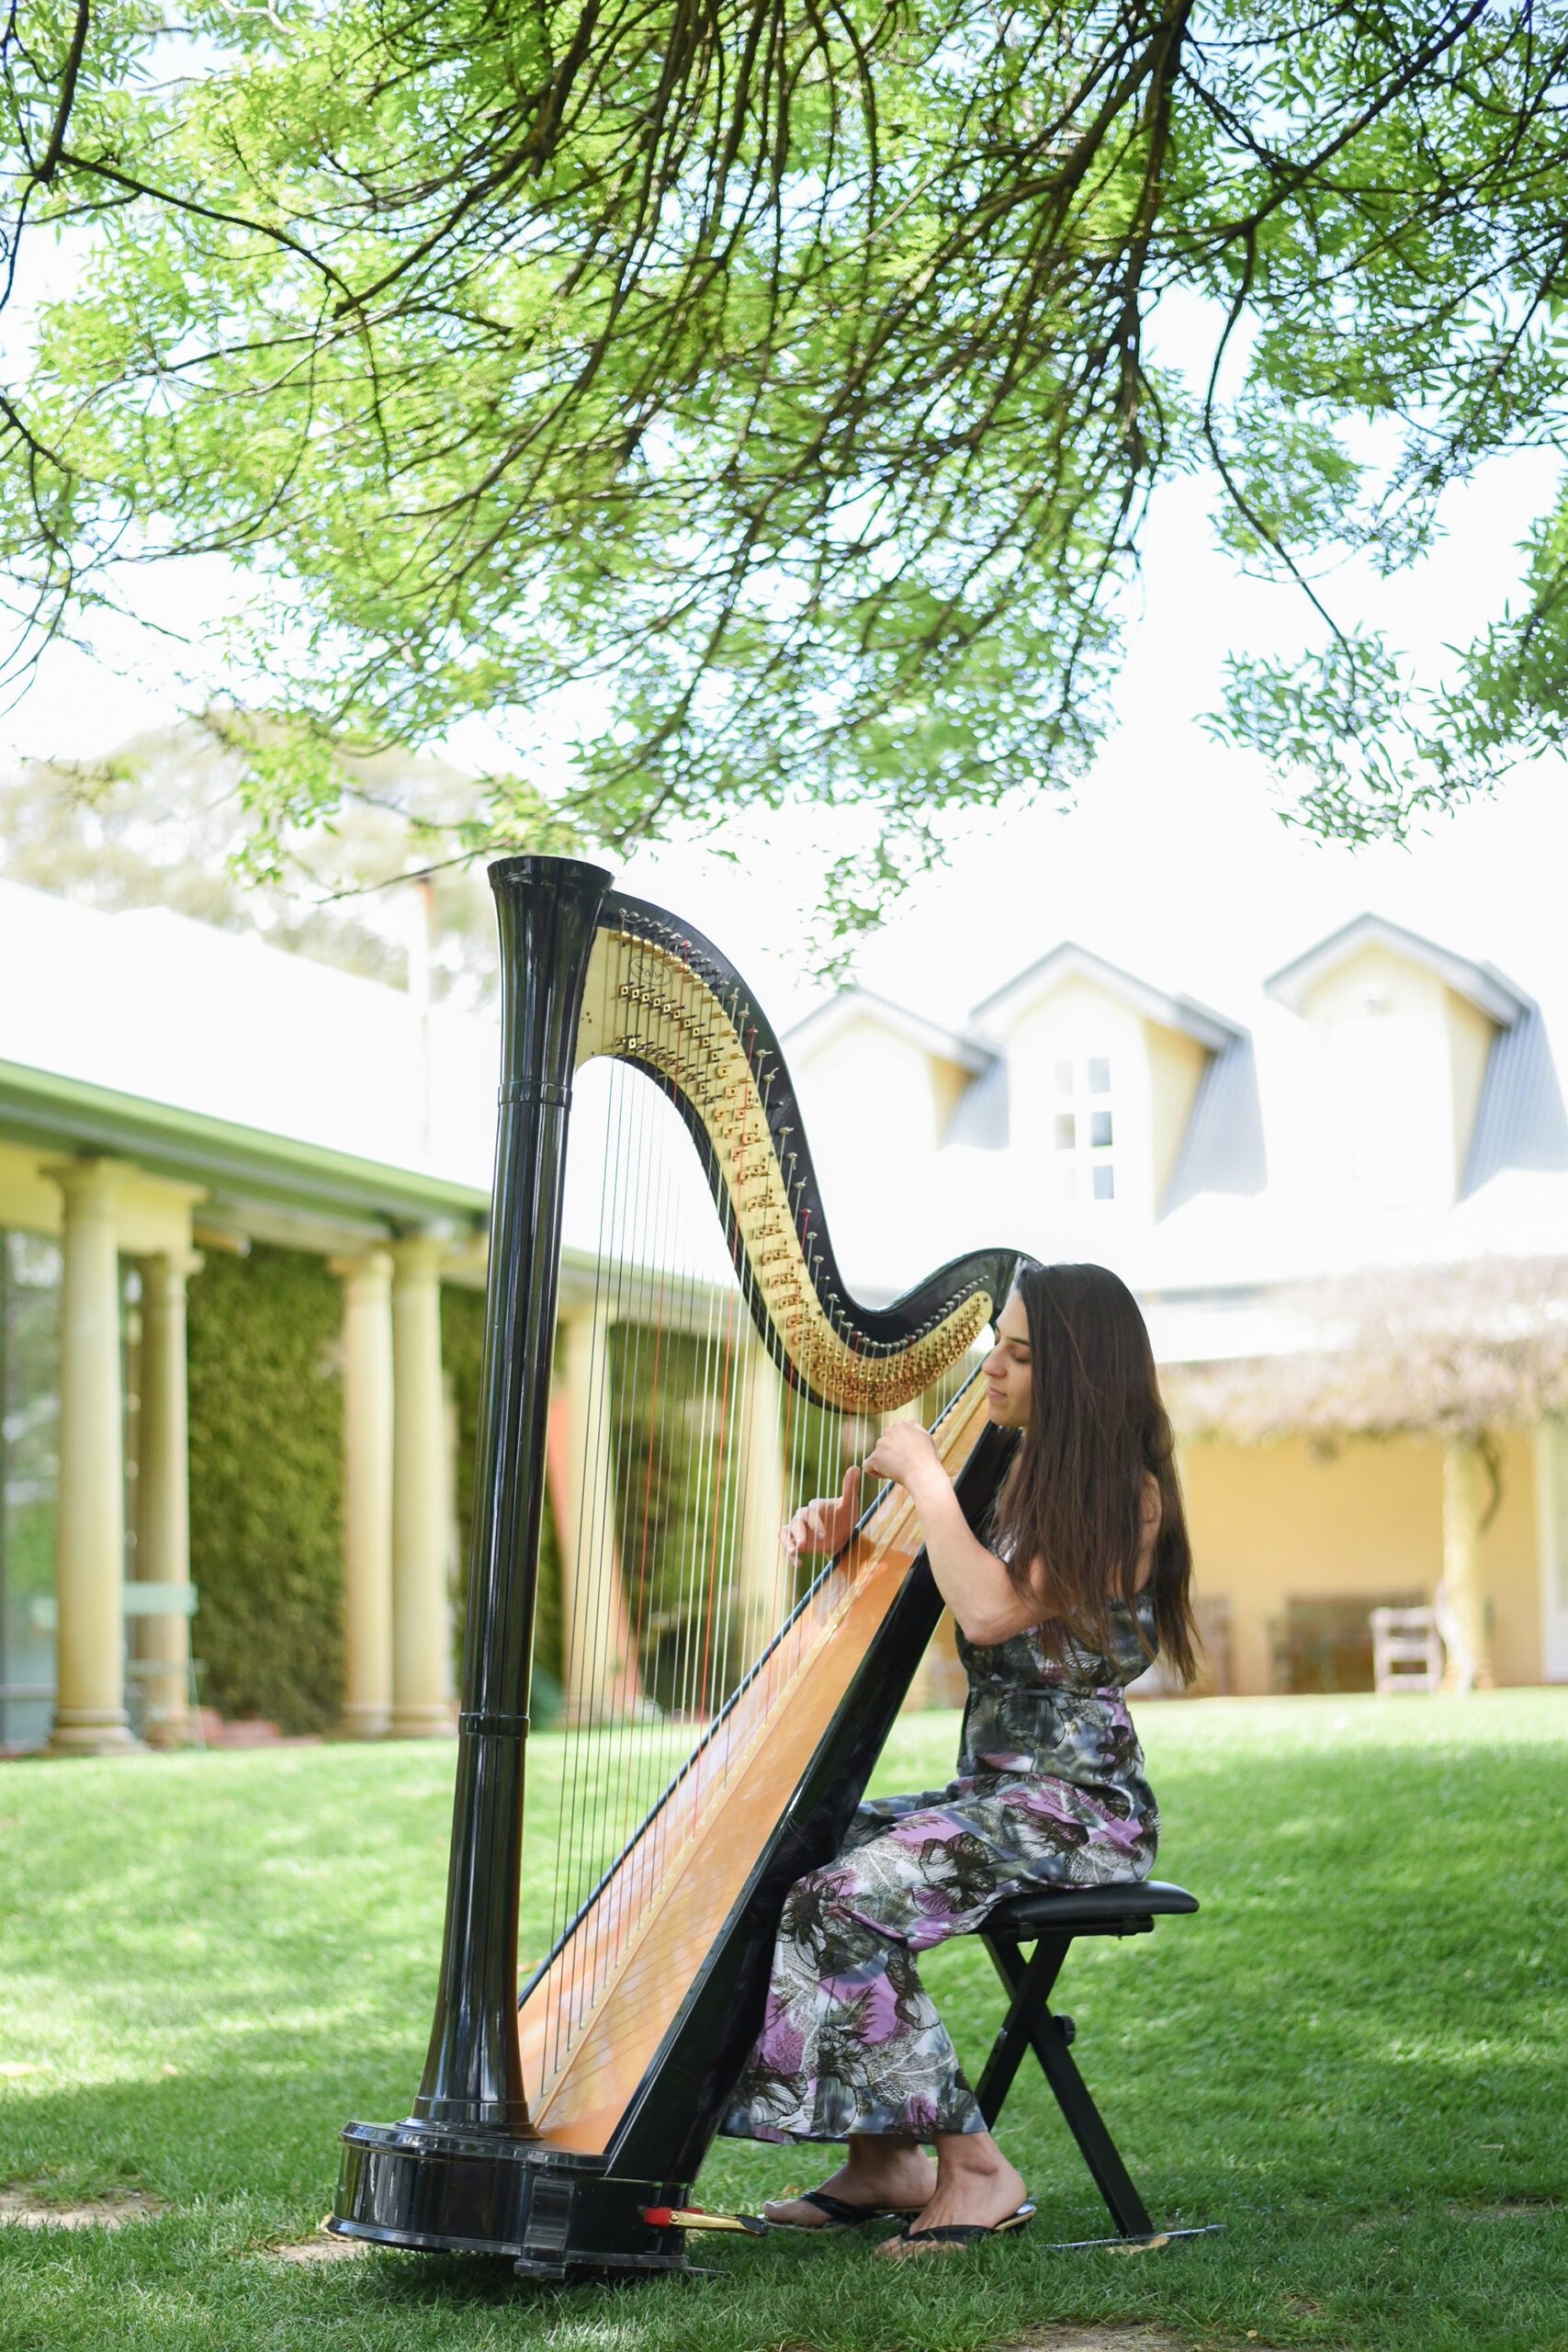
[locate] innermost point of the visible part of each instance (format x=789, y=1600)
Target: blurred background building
x=242, y=1256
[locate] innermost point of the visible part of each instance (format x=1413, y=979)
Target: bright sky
x=1172, y=862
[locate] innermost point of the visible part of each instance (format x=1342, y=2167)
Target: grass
x=1353, y=2058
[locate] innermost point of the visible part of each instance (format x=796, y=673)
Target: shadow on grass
x=1353, y=2057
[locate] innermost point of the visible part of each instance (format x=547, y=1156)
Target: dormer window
x=1404, y=1031
x=1103, y=1073
x=1082, y=1137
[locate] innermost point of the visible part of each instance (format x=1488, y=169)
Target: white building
x=1379, y=1106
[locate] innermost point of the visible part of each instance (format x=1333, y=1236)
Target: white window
x=1083, y=1137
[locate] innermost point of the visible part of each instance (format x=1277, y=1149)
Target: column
x=595, y=1637
x=767, y=1578
x=1461, y=1606
x=367, y=1492
x=421, y=1624
x=89, y=1542
x=162, y=1492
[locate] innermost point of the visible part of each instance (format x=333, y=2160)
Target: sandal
x=841, y=2214
x=967, y=2233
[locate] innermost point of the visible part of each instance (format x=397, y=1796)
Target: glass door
x=29, y=1421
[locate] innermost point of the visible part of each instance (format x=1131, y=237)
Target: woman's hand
x=907, y=1452
x=826, y=1525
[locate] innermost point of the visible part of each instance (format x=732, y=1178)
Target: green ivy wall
x=266, y=1485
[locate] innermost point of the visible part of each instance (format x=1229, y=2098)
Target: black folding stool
x=1051, y=1922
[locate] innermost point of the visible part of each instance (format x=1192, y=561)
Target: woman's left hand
x=905, y=1452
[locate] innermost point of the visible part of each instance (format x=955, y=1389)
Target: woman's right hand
x=826, y=1525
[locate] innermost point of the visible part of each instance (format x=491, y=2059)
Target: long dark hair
x=1073, y=1501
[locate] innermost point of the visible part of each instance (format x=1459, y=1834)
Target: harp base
x=548, y=2208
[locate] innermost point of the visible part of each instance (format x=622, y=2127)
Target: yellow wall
x=1470, y=1038
x=1272, y=1523
x=1176, y=1068
x=950, y=1083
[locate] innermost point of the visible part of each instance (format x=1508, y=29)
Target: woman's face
x=1009, y=1369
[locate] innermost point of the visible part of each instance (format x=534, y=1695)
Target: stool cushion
x=1078, y=1908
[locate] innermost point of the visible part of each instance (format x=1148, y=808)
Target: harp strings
x=690, y=1453
x=670, y=1491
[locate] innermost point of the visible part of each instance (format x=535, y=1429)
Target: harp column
x=767, y=1579
x=546, y=909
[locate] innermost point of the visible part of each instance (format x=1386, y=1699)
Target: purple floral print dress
x=1050, y=1792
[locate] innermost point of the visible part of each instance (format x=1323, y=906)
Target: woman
x=1083, y=1579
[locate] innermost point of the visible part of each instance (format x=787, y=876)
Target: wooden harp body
x=547, y=2124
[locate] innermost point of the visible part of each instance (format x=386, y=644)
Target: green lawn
x=1353, y=2058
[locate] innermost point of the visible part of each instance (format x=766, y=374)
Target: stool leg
x=1030, y=2019
x=1030, y=1988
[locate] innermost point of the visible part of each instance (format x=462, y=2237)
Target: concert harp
x=718, y=1746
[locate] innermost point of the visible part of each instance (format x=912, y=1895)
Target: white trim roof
x=830, y=1021
x=1480, y=985
x=152, y=1005
x=1069, y=961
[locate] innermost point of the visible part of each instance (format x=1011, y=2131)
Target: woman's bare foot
x=975, y=2184
x=882, y=2175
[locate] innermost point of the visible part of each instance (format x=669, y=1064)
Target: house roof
x=1480, y=984
x=258, y=1073
x=830, y=1020
x=1069, y=961
x=67, y=1115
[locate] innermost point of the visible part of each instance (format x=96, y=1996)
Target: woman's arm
x=974, y=1583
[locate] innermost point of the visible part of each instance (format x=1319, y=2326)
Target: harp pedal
x=693, y=2217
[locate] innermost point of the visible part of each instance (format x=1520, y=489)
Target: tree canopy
x=760, y=392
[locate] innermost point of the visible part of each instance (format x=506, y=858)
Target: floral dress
x=1050, y=1792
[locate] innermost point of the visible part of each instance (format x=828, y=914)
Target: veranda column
x=162, y=1490
x=594, y=1629
x=367, y=1492
x=421, y=1627
x=89, y=1544
x=1464, y=1617
x=767, y=1578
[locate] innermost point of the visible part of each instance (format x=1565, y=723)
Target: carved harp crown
x=547, y=2125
